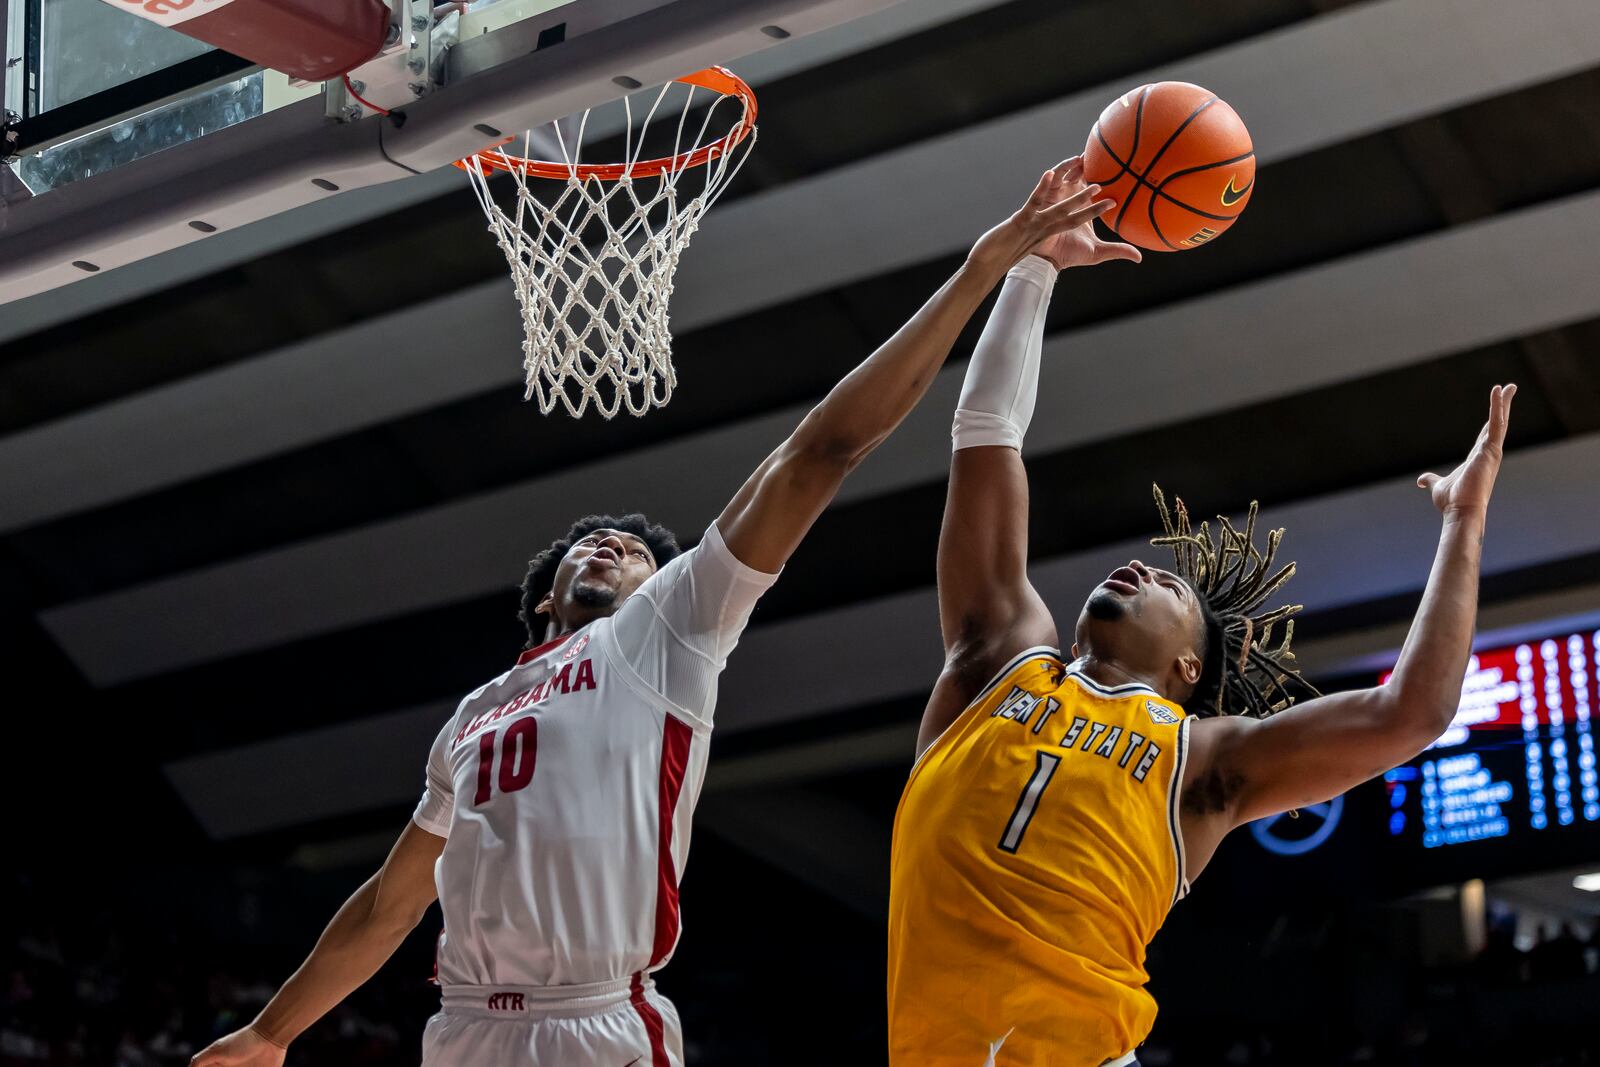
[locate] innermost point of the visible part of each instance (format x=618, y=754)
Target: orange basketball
x=1178, y=162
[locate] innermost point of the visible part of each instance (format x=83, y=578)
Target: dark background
x=144, y=921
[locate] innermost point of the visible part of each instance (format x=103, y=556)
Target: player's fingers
x=1507, y=394
x=1494, y=430
x=1494, y=408
x=1059, y=216
x=1041, y=191
x=1070, y=169
x=1077, y=217
x=1069, y=203
x=1500, y=408
x=1427, y=481
x=1118, y=250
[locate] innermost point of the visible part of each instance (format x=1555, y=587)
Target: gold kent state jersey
x=1036, y=853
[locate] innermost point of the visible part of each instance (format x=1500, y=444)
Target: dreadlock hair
x=1242, y=672
x=542, y=568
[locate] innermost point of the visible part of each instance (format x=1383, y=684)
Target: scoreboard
x=1515, y=772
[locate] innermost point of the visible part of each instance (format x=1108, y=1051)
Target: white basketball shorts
x=613, y=1024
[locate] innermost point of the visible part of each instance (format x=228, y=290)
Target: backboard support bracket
x=295, y=155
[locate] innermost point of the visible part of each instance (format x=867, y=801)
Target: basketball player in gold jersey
x=1060, y=805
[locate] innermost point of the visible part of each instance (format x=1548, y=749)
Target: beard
x=593, y=595
x=1105, y=606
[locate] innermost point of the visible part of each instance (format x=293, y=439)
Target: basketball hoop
x=593, y=257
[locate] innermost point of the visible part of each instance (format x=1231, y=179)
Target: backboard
x=123, y=139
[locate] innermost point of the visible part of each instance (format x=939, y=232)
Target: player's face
x=597, y=574
x=1147, y=621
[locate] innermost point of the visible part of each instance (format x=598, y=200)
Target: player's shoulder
x=668, y=573
x=1036, y=656
x=1036, y=669
x=712, y=551
x=1162, y=712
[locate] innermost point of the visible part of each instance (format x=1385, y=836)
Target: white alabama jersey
x=565, y=787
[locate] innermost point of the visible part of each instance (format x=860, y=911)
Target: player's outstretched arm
x=1317, y=750
x=769, y=515
x=988, y=610
x=363, y=934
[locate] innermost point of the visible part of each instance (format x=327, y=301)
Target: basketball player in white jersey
x=555, y=822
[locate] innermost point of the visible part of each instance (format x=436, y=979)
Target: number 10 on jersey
x=519, y=748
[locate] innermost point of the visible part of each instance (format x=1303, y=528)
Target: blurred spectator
x=100, y=981
x=1501, y=963
x=1558, y=958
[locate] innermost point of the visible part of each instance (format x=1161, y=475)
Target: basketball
x=1178, y=162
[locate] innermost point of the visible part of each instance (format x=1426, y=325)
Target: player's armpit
x=949, y=698
x=965, y=677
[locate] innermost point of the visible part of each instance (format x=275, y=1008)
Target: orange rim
x=717, y=79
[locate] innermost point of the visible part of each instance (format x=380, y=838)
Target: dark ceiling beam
x=1351, y=75
x=887, y=649
x=293, y=781
x=837, y=753
x=812, y=836
x=230, y=248
x=1354, y=317
x=1568, y=378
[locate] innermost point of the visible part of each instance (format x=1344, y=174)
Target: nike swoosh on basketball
x=1231, y=196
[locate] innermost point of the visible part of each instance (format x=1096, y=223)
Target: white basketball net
x=593, y=260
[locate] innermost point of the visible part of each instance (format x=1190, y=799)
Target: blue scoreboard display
x=1514, y=776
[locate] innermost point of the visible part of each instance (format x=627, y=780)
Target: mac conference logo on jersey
x=1160, y=713
x=1285, y=835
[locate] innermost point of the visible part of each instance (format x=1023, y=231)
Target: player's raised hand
x=242, y=1048
x=1469, y=485
x=1080, y=246
x=1060, y=203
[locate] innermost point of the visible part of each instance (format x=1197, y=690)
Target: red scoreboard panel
x=1517, y=765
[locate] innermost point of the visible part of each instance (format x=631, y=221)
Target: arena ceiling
x=264, y=502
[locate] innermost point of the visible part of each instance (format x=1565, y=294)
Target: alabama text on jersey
x=565, y=787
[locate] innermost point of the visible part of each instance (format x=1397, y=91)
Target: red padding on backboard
x=311, y=39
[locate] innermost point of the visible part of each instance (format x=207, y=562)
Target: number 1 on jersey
x=1044, y=767
x=517, y=756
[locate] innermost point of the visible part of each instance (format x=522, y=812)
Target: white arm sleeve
x=676, y=631
x=1002, y=381
x=439, y=793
